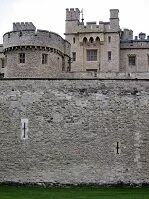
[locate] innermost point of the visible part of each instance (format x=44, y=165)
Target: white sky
x=50, y=14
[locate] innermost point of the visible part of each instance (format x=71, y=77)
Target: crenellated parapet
x=25, y=34
x=135, y=44
x=19, y=26
x=139, y=42
x=72, y=14
x=35, y=53
x=74, y=25
x=94, y=27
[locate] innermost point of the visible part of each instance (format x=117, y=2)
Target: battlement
x=127, y=37
x=72, y=14
x=126, y=34
x=74, y=25
x=95, y=27
x=135, y=44
x=30, y=37
x=19, y=26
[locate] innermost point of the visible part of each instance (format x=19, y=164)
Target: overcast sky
x=50, y=14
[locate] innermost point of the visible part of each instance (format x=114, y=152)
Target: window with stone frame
x=109, y=55
x=131, y=60
x=21, y=58
x=74, y=40
x=44, y=58
x=92, y=55
x=73, y=56
x=3, y=62
x=109, y=39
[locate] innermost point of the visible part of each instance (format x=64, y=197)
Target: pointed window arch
x=97, y=39
x=84, y=40
x=91, y=40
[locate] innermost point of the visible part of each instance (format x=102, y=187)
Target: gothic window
x=91, y=40
x=109, y=55
x=131, y=60
x=21, y=58
x=73, y=56
x=91, y=55
x=44, y=58
x=84, y=40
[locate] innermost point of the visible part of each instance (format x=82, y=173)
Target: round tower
x=31, y=53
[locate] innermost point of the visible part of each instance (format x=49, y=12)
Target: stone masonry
x=115, y=50
x=77, y=131
x=91, y=49
x=33, y=45
x=74, y=111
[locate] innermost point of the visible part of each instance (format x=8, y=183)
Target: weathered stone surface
x=73, y=130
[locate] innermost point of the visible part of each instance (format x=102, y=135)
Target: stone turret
x=114, y=20
x=127, y=35
x=41, y=53
x=72, y=14
x=72, y=20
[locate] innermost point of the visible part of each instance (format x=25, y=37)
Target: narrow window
x=21, y=58
x=117, y=147
x=20, y=34
x=109, y=55
x=24, y=129
x=44, y=58
x=148, y=59
x=132, y=60
x=73, y=56
x=91, y=55
x=3, y=62
x=109, y=39
x=74, y=40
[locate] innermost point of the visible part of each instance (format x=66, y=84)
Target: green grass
x=8, y=192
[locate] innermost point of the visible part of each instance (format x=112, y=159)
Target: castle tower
x=72, y=20
x=34, y=53
x=94, y=47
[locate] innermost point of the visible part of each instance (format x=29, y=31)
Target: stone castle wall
x=33, y=66
x=78, y=131
x=25, y=39
x=41, y=38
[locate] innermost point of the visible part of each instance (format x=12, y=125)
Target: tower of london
x=74, y=111
x=89, y=49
